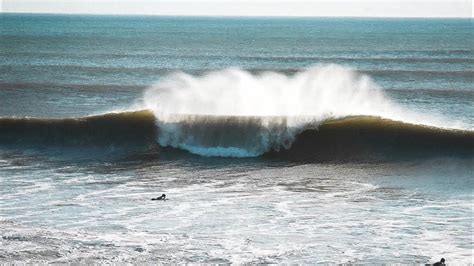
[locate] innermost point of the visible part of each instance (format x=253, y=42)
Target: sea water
x=81, y=201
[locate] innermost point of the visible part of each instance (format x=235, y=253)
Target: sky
x=312, y=8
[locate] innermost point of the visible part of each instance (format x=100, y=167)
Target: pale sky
x=317, y=8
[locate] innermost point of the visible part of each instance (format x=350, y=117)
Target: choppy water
x=87, y=199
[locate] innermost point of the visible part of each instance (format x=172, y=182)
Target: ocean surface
x=276, y=140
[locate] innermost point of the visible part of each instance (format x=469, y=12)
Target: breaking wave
x=236, y=113
x=322, y=113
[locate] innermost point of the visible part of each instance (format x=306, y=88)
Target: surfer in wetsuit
x=439, y=263
x=162, y=197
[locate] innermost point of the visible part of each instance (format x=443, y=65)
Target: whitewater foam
x=273, y=107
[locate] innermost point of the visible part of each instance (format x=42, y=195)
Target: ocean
x=275, y=140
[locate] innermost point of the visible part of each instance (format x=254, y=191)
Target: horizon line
x=228, y=16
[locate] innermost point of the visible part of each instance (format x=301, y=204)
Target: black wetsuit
x=162, y=197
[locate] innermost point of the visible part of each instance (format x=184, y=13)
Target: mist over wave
x=322, y=91
x=235, y=113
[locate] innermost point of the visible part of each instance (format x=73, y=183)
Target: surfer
x=162, y=197
x=439, y=263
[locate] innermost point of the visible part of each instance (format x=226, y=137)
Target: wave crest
x=357, y=138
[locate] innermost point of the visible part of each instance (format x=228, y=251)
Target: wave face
x=120, y=129
x=357, y=138
x=367, y=138
x=234, y=113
